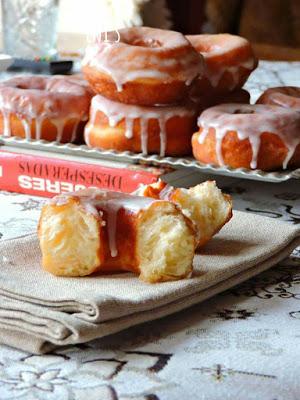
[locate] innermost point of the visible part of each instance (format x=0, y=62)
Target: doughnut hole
x=69, y=239
x=166, y=244
x=206, y=206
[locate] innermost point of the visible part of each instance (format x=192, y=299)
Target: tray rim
x=152, y=160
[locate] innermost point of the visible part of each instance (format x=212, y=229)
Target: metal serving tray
x=138, y=158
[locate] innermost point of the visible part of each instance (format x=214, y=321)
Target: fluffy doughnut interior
x=166, y=244
x=69, y=239
x=206, y=206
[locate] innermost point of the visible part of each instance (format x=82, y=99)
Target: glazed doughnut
x=147, y=67
x=53, y=108
x=285, y=96
x=160, y=130
x=95, y=230
x=250, y=136
x=207, y=207
x=229, y=61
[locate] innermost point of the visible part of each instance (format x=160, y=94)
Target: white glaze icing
x=215, y=76
x=59, y=129
x=27, y=128
x=129, y=128
x=285, y=96
x=144, y=135
x=6, y=122
x=213, y=47
x=37, y=98
x=38, y=127
x=117, y=112
x=135, y=57
x=249, y=122
x=165, y=192
x=74, y=132
x=162, y=136
x=107, y=205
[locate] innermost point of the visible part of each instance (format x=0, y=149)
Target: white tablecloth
x=242, y=344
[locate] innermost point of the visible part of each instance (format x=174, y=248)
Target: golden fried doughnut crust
x=97, y=231
x=146, y=66
x=248, y=136
x=229, y=61
x=207, y=207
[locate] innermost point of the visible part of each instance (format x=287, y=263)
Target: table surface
x=242, y=344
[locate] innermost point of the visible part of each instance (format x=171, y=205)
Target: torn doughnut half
x=205, y=204
x=98, y=231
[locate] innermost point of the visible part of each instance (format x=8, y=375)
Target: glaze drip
x=126, y=62
x=223, y=53
x=250, y=122
x=215, y=76
x=165, y=193
x=27, y=128
x=35, y=99
x=107, y=205
x=38, y=123
x=285, y=96
x=6, y=123
x=118, y=112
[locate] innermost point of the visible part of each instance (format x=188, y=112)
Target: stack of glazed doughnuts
x=145, y=90
x=142, y=84
x=152, y=84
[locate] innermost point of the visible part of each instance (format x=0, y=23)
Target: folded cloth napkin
x=39, y=311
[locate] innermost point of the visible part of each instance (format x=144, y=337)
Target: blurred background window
x=273, y=26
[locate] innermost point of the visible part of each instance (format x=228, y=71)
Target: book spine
x=47, y=177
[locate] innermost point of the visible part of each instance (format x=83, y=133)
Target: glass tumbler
x=30, y=28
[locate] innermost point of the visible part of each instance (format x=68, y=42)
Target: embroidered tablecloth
x=242, y=344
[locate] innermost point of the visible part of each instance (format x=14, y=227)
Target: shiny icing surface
x=161, y=190
x=165, y=193
x=145, y=53
x=117, y=112
x=37, y=98
x=249, y=122
x=212, y=45
x=215, y=76
x=220, y=55
x=285, y=96
x=97, y=202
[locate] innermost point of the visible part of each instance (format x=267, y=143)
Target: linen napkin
x=39, y=311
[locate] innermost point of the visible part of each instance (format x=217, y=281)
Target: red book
x=46, y=174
